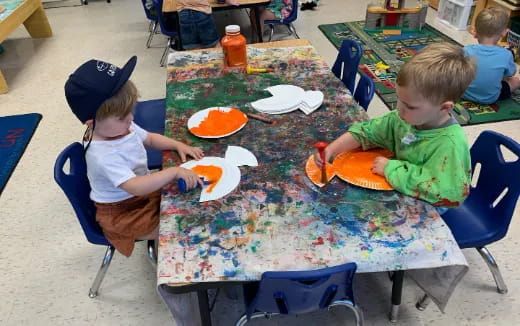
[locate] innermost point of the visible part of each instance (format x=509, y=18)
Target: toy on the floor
x=391, y=17
x=381, y=69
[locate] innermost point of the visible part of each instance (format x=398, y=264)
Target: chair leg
x=357, y=312
x=152, y=32
x=152, y=252
x=423, y=302
x=271, y=33
x=294, y=30
x=93, y=292
x=163, y=58
x=243, y=320
x=493, y=267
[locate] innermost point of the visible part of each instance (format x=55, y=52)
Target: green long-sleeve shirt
x=433, y=165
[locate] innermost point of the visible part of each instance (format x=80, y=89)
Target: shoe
x=312, y=5
x=306, y=6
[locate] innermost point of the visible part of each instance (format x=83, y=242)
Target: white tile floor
x=46, y=266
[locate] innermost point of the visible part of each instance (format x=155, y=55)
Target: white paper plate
x=199, y=116
x=227, y=183
x=285, y=99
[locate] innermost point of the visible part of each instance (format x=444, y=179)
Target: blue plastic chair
x=479, y=220
x=346, y=65
x=151, y=115
x=299, y=292
x=76, y=187
x=152, y=28
x=364, y=91
x=173, y=35
x=284, y=21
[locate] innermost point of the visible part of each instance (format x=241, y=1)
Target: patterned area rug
x=394, y=50
x=15, y=134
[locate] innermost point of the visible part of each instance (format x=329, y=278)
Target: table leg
x=3, y=84
x=205, y=314
x=397, y=291
x=256, y=12
x=37, y=24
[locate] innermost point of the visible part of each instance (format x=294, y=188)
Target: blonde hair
x=491, y=22
x=440, y=72
x=121, y=104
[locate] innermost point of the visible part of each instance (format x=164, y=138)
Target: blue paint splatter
x=229, y=273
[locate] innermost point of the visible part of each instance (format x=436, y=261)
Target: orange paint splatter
x=220, y=122
x=356, y=167
x=211, y=173
x=319, y=241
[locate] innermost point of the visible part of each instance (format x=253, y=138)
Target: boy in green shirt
x=431, y=155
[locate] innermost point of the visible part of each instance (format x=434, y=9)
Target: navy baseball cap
x=93, y=83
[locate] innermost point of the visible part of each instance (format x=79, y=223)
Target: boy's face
x=113, y=126
x=419, y=112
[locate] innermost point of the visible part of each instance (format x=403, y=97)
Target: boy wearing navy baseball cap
x=126, y=194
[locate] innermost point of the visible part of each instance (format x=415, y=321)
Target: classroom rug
x=394, y=50
x=16, y=132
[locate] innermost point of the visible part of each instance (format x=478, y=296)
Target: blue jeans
x=198, y=29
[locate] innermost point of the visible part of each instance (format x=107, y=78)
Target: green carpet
x=394, y=50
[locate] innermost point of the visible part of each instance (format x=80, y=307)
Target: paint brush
x=260, y=118
x=181, y=183
x=250, y=70
x=321, y=150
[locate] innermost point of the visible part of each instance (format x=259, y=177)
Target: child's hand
x=185, y=150
x=317, y=158
x=233, y=2
x=379, y=165
x=190, y=177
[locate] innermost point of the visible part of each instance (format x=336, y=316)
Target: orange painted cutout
x=314, y=172
x=211, y=173
x=355, y=167
x=220, y=123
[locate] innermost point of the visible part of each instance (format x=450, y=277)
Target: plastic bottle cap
x=232, y=29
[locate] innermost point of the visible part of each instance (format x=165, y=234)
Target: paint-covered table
x=277, y=219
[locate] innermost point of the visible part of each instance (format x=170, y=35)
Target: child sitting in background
x=496, y=68
x=431, y=155
x=197, y=26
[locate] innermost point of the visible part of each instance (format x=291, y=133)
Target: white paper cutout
x=287, y=98
x=235, y=156
x=199, y=116
x=239, y=156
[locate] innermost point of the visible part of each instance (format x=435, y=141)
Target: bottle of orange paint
x=234, y=46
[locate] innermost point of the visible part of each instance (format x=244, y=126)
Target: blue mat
x=16, y=132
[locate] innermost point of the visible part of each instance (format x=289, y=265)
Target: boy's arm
x=442, y=181
x=511, y=69
x=377, y=132
x=143, y=185
x=343, y=143
x=164, y=143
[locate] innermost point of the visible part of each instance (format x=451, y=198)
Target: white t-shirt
x=112, y=162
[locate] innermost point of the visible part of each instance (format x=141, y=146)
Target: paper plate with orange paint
x=216, y=122
x=314, y=172
x=355, y=167
x=223, y=176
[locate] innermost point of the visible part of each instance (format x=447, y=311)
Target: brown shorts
x=125, y=221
